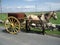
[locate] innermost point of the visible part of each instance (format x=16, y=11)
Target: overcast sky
x=29, y=5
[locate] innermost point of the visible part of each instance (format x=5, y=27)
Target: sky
x=29, y=5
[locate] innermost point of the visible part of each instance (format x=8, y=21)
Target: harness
x=46, y=18
x=46, y=15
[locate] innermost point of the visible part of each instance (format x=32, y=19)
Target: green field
x=3, y=17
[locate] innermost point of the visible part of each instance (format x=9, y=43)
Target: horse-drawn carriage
x=16, y=20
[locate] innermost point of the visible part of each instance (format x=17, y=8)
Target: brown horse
x=49, y=15
x=42, y=19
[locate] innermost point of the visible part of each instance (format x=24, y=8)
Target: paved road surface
x=23, y=38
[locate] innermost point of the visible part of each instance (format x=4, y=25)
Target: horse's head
x=54, y=15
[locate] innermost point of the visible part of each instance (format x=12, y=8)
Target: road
x=23, y=38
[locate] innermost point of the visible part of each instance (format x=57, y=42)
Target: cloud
x=29, y=0
x=57, y=5
x=52, y=3
x=26, y=6
x=19, y=7
x=53, y=6
x=31, y=6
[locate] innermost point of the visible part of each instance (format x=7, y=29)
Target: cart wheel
x=12, y=25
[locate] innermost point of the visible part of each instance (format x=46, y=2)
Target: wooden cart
x=14, y=22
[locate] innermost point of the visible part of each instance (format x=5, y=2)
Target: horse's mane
x=47, y=14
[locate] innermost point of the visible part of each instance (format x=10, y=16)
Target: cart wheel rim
x=12, y=25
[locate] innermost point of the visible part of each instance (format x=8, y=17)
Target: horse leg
x=43, y=29
x=27, y=25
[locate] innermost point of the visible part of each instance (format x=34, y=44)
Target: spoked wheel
x=12, y=25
